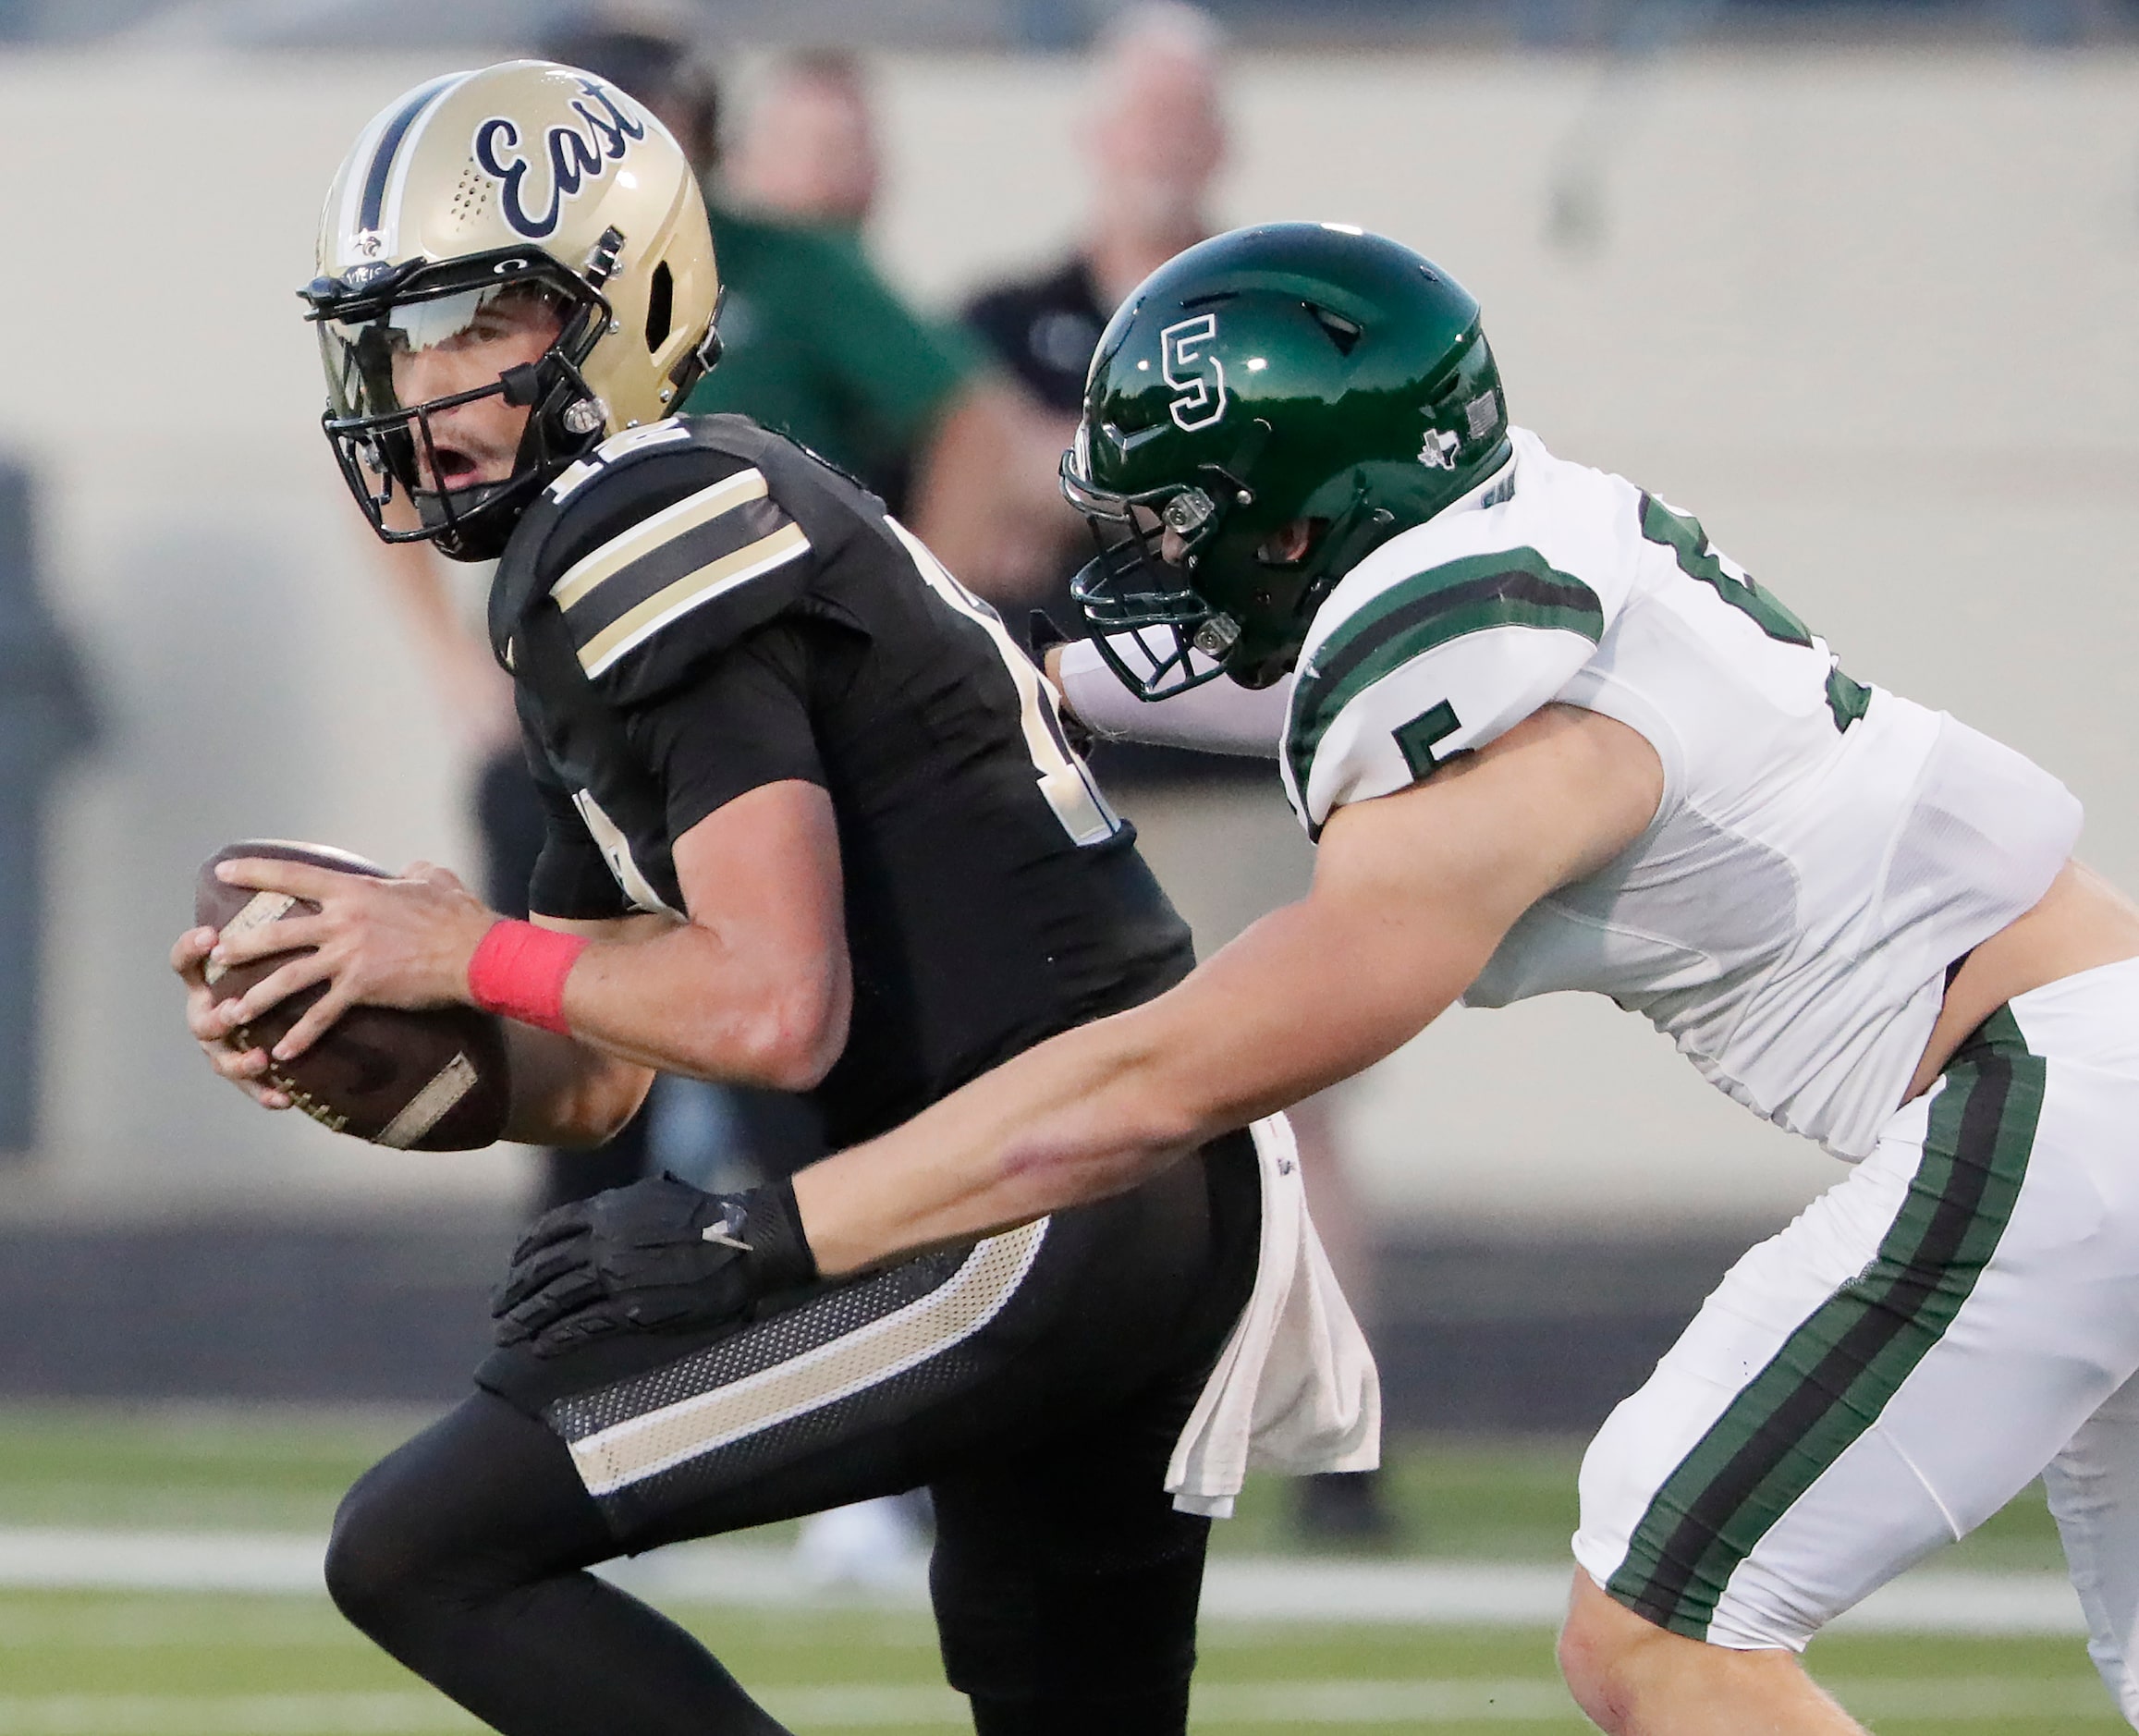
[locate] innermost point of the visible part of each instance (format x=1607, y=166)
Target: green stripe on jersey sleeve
x=1515, y=587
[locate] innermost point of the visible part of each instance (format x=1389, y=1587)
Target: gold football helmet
x=529, y=196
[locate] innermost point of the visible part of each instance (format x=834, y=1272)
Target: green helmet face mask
x=1281, y=399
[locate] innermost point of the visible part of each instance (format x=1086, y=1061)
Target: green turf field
x=189, y=1664
x=171, y=1666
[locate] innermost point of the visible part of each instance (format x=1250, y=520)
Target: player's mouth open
x=456, y=468
x=467, y=464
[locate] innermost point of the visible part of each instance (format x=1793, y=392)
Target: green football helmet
x=1288, y=373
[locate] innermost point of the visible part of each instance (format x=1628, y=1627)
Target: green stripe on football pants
x=1833, y=1375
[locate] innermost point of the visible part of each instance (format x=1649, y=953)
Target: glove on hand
x=1042, y=636
x=653, y=1256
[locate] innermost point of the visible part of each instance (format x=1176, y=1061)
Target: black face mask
x=383, y=446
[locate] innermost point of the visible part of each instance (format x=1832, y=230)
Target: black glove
x=1042, y=636
x=653, y=1256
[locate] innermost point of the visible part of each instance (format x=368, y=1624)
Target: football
x=430, y=1080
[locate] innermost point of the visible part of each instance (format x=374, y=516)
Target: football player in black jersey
x=813, y=824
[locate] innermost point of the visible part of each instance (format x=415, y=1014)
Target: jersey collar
x=1493, y=488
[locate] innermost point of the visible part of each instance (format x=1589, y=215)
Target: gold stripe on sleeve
x=643, y=538
x=710, y=581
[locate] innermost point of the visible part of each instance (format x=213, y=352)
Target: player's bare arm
x=752, y=988
x=1412, y=894
x=984, y=498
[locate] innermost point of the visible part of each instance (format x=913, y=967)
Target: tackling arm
x=984, y=499
x=1412, y=894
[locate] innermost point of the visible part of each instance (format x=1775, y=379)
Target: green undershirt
x=819, y=348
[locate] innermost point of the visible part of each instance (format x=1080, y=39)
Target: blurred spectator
x=1155, y=136
x=807, y=148
x=47, y=721
x=821, y=348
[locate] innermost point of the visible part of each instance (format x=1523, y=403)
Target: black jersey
x=701, y=608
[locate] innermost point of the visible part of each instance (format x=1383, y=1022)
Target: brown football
x=429, y=1081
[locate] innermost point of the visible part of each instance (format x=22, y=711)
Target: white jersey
x=1823, y=849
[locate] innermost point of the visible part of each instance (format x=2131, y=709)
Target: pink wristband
x=519, y=972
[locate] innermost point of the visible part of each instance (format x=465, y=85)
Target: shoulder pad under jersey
x=665, y=544
x=1414, y=658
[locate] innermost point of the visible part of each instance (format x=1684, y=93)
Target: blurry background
x=1854, y=282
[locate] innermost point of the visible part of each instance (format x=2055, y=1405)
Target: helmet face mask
x=514, y=264
x=1282, y=399
x=1176, y=636
x=1132, y=587
x=390, y=331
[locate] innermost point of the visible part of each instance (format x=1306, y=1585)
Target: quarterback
x=813, y=825
x=1549, y=738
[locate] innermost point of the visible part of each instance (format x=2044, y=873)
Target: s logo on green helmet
x=1323, y=390
x=1183, y=362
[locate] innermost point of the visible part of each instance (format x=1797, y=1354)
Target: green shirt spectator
x=820, y=348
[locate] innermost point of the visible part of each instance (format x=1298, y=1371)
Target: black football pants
x=1040, y=1415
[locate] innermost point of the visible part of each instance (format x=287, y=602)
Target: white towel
x=1295, y=1389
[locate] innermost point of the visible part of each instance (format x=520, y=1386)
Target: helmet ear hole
x=660, y=306
x=1292, y=543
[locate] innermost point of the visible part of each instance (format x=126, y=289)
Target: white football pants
x=1959, y=1314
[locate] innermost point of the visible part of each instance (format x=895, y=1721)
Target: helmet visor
x=431, y=381
x=424, y=348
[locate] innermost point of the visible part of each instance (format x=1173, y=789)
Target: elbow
x=595, y=1110
x=806, y=1031
x=797, y=1050
x=788, y=1043
x=613, y=1111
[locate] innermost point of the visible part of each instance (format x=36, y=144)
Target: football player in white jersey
x=1548, y=738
